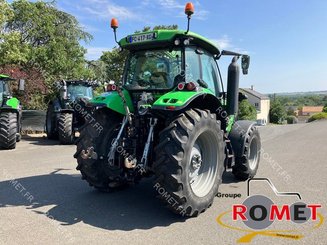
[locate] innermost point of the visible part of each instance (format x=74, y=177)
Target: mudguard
x=13, y=103
x=238, y=135
x=56, y=105
x=113, y=101
x=66, y=111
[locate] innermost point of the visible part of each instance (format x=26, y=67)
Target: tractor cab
x=166, y=62
x=170, y=60
x=73, y=90
x=79, y=90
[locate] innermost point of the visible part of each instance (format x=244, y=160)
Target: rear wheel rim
x=203, y=164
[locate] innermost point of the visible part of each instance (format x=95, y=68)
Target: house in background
x=260, y=101
x=310, y=110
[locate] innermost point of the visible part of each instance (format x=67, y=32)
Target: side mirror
x=245, y=64
x=21, y=85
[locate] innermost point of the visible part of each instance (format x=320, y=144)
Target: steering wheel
x=143, y=83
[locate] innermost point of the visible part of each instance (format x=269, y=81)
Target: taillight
x=181, y=86
x=111, y=87
x=171, y=107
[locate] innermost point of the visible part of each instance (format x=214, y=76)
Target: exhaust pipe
x=63, y=90
x=233, y=81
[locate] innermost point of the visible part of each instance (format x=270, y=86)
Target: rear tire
x=247, y=165
x=189, y=162
x=95, y=168
x=50, y=123
x=8, y=130
x=18, y=137
x=65, y=129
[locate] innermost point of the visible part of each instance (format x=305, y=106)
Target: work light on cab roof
x=114, y=26
x=189, y=11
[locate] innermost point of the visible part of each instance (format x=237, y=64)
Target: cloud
x=201, y=14
x=107, y=9
x=94, y=53
x=170, y=4
x=223, y=42
x=91, y=28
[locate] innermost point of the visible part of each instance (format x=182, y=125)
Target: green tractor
x=171, y=119
x=10, y=114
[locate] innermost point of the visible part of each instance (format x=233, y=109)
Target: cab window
x=153, y=69
x=200, y=64
x=192, y=65
x=1, y=92
x=209, y=71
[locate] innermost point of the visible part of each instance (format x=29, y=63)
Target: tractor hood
x=173, y=100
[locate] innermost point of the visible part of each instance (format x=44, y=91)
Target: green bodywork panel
x=178, y=98
x=230, y=124
x=13, y=103
x=168, y=37
x=114, y=102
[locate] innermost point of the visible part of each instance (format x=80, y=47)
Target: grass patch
x=318, y=116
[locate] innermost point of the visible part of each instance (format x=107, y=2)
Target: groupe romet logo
x=258, y=212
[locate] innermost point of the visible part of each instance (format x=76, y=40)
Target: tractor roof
x=81, y=82
x=5, y=78
x=163, y=38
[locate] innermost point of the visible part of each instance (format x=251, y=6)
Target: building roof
x=254, y=93
x=309, y=109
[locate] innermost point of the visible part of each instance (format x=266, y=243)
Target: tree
x=115, y=59
x=247, y=111
x=325, y=108
x=35, y=87
x=277, y=112
x=39, y=35
x=97, y=70
x=36, y=38
x=158, y=27
x=290, y=112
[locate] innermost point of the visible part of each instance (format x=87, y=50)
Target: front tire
x=8, y=130
x=189, y=162
x=65, y=129
x=50, y=123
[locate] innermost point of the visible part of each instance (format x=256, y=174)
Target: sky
x=286, y=39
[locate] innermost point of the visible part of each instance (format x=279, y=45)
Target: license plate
x=142, y=38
